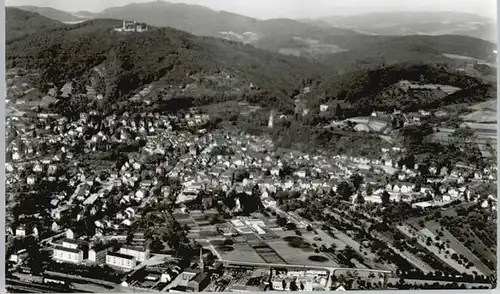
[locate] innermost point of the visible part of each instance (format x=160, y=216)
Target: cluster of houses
x=46, y=150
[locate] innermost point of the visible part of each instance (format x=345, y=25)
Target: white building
x=123, y=261
x=70, y=234
x=139, y=253
x=21, y=232
x=19, y=256
x=70, y=255
x=31, y=180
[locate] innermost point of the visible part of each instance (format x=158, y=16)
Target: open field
x=481, y=116
x=240, y=252
x=486, y=105
x=482, y=136
x=482, y=126
x=468, y=58
x=301, y=254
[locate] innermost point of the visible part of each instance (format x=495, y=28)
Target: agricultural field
x=484, y=112
x=458, y=247
x=482, y=127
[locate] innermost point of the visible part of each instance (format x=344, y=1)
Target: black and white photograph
x=250, y=145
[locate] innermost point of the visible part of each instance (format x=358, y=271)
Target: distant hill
x=321, y=38
x=51, y=13
x=20, y=23
x=415, y=23
x=311, y=40
x=371, y=50
x=84, y=14
x=204, y=21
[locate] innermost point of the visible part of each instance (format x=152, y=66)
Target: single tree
x=345, y=190
x=356, y=180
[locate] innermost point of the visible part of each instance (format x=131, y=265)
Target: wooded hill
x=71, y=52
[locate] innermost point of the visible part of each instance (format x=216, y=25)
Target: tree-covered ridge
x=136, y=59
x=369, y=89
x=20, y=23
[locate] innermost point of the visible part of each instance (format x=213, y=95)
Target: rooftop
x=120, y=255
x=60, y=248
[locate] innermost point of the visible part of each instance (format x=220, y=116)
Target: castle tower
x=270, y=124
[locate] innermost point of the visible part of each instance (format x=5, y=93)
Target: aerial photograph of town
x=250, y=146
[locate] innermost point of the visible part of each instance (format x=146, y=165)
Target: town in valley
x=150, y=193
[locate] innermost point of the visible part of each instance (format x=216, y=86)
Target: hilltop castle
x=132, y=27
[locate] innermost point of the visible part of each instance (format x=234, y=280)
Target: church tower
x=202, y=264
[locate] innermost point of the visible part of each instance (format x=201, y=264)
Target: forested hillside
x=62, y=53
x=365, y=89
x=133, y=60
x=369, y=51
x=20, y=23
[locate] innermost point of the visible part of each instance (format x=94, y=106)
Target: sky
x=265, y=9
